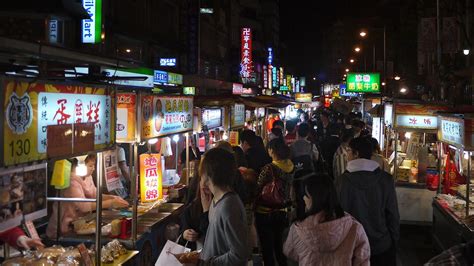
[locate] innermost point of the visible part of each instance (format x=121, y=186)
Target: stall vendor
x=16, y=238
x=81, y=187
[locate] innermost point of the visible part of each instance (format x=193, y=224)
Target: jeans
x=270, y=229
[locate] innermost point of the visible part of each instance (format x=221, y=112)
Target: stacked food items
x=54, y=256
x=112, y=251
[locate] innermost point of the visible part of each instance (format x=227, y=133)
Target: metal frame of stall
x=446, y=224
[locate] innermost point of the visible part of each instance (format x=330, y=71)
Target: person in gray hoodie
x=368, y=194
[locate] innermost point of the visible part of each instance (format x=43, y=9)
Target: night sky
x=301, y=24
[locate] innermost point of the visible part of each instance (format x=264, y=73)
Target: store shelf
x=122, y=259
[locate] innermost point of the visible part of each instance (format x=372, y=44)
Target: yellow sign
x=234, y=138
x=304, y=97
x=151, y=177
x=29, y=108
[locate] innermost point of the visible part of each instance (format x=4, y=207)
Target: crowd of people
x=318, y=193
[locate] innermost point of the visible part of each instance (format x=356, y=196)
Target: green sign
x=363, y=82
x=189, y=90
x=284, y=88
x=176, y=79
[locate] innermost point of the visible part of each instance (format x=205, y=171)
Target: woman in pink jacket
x=327, y=236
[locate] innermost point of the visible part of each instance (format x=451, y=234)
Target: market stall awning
x=267, y=101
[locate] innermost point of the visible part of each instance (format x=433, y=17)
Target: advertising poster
x=238, y=116
x=166, y=115
x=29, y=108
x=151, y=177
x=112, y=177
x=22, y=195
x=126, y=117
x=234, y=138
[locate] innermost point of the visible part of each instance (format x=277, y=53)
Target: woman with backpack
x=326, y=235
x=273, y=201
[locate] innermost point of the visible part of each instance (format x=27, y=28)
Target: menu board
x=126, y=117
x=31, y=107
x=238, y=116
x=212, y=118
x=165, y=115
x=22, y=195
x=151, y=177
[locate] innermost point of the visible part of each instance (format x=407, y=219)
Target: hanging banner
x=151, y=177
x=126, y=117
x=212, y=118
x=238, y=116
x=163, y=115
x=31, y=107
x=112, y=177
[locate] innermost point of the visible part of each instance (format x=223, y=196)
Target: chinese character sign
x=71, y=108
x=363, y=82
x=29, y=108
x=246, y=53
x=151, y=177
x=265, y=77
x=274, y=77
x=416, y=121
x=451, y=130
x=212, y=118
x=166, y=115
x=238, y=115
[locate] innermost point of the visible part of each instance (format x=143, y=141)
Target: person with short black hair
x=290, y=136
x=303, y=147
x=254, y=150
x=368, y=194
x=226, y=237
x=326, y=235
x=271, y=218
x=377, y=156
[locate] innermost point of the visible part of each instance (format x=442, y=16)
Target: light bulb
x=408, y=135
x=152, y=141
x=176, y=138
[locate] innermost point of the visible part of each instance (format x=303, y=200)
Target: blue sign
x=168, y=62
x=342, y=92
x=270, y=55
x=160, y=77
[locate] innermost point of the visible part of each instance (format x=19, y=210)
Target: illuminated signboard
x=212, y=118
x=297, y=86
x=303, y=82
x=343, y=92
x=288, y=82
x=451, y=130
x=304, y=97
x=168, y=62
x=363, y=82
x=284, y=88
x=175, y=79
x=274, y=77
x=246, y=54
x=92, y=27
x=282, y=76
x=416, y=121
x=270, y=77
x=160, y=77
x=270, y=55
x=265, y=77
x=138, y=72
x=237, y=88
x=189, y=90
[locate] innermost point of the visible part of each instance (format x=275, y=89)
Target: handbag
x=167, y=255
x=273, y=193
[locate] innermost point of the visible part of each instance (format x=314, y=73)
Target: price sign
x=151, y=176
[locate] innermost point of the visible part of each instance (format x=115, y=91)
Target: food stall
x=453, y=217
x=45, y=123
x=414, y=159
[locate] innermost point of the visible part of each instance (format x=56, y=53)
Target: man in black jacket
x=368, y=194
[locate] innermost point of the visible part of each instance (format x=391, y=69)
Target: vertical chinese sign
x=246, y=54
x=30, y=108
x=126, y=117
x=151, y=186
